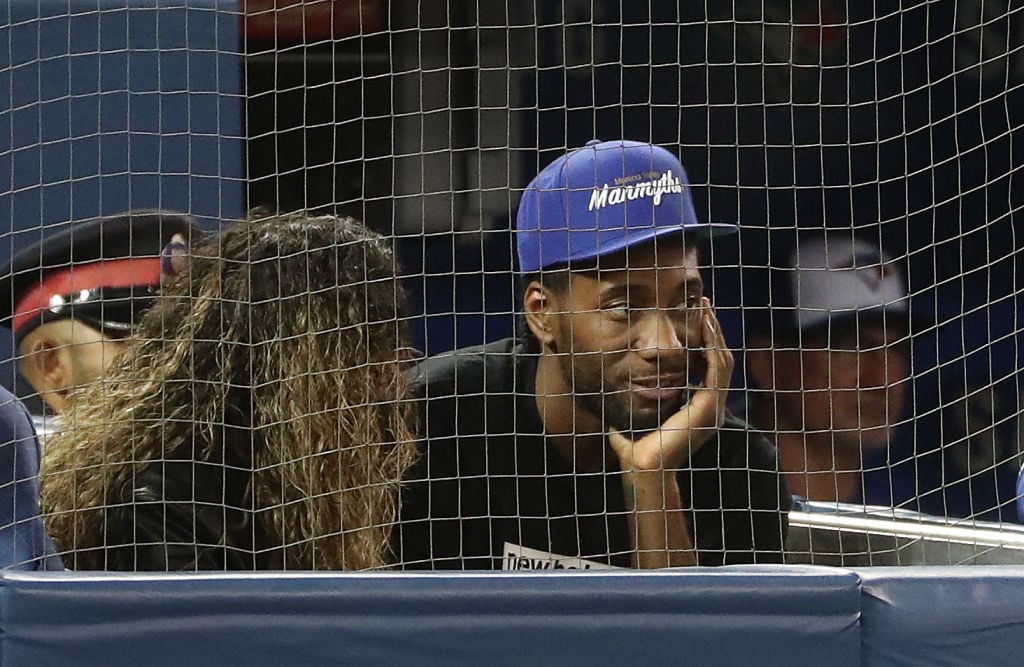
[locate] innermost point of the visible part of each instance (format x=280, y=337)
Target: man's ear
x=540, y=307
x=759, y=359
x=47, y=367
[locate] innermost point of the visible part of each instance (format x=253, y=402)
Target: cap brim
x=624, y=242
x=915, y=321
x=710, y=230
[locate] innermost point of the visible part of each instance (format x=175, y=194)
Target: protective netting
x=866, y=152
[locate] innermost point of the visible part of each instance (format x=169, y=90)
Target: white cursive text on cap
x=611, y=195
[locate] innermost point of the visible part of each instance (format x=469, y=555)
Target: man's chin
x=629, y=414
x=644, y=420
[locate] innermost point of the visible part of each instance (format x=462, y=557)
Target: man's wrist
x=651, y=490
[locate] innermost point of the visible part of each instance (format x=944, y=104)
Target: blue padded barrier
x=790, y=615
x=943, y=615
x=765, y=615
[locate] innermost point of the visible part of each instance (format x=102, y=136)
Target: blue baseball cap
x=601, y=199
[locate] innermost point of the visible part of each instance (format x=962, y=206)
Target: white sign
x=516, y=557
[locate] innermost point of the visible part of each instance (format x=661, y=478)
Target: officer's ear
x=46, y=365
x=540, y=306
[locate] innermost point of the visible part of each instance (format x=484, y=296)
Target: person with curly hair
x=256, y=421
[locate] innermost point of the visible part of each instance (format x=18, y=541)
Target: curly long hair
x=290, y=324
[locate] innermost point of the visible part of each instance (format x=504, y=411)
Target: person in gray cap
x=827, y=353
x=72, y=298
x=600, y=438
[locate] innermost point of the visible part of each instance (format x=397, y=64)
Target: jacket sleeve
x=24, y=544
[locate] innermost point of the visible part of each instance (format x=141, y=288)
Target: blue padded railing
x=763, y=615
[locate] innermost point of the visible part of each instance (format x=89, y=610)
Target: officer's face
x=61, y=357
x=91, y=355
x=626, y=335
x=850, y=385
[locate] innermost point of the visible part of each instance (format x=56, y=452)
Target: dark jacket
x=187, y=515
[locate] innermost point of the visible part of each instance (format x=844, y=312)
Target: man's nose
x=660, y=335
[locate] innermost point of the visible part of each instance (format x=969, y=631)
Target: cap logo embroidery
x=608, y=195
x=873, y=275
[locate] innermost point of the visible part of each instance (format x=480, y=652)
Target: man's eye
x=617, y=311
x=692, y=302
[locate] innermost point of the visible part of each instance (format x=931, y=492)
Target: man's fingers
x=718, y=374
x=719, y=359
x=714, y=337
x=620, y=444
x=616, y=438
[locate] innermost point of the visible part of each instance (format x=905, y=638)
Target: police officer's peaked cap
x=104, y=272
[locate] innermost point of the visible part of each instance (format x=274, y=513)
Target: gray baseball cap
x=830, y=279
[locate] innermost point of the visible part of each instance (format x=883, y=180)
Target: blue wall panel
x=117, y=105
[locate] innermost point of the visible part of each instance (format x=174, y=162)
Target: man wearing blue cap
x=601, y=438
